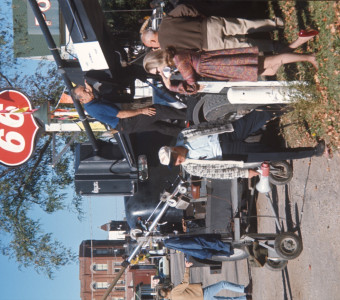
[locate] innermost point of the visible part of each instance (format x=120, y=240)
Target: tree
x=35, y=184
x=125, y=18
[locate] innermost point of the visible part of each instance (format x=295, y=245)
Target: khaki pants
x=230, y=33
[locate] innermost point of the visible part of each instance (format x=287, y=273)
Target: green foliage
x=23, y=189
x=34, y=186
x=317, y=118
x=125, y=25
x=31, y=247
x=45, y=85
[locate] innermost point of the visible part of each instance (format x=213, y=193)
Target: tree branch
x=5, y=172
x=6, y=79
x=24, y=181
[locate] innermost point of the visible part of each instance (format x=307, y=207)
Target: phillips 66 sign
x=18, y=128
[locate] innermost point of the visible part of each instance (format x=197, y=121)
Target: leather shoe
x=320, y=148
x=308, y=33
x=249, y=288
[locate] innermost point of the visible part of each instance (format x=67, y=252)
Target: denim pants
x=203, y=246
x=156, y=122
x=210, y=291
x=234, y=147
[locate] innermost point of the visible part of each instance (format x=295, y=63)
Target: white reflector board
x=90, y=56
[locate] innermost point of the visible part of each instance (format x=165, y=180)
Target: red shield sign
x=18, y=128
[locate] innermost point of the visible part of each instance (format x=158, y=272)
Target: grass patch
x=317, y=112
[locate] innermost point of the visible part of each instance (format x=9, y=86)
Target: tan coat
x=185, y=290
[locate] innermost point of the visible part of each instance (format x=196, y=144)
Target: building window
x=99, y=267
x=120, y=288
x=109, y=251
x=117, y=298
x=100, y=285
x=120, y=282
x=117, y=270
x=101, y=251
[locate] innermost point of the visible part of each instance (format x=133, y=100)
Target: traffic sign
x=18, y=127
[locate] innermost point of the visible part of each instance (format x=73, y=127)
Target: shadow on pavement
x=291, y=227
x=275, y=200
x=288, y=209
x=286, y=285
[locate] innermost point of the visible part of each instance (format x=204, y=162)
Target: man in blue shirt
x=129, y=121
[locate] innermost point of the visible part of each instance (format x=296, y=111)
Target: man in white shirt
x=218, y=151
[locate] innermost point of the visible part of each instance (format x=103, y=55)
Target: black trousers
x=156, y=122
x=234, y=147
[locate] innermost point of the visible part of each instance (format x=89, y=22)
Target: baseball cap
x=164, y=155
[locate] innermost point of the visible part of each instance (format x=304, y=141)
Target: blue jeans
x=203, y=246
x=210, y=291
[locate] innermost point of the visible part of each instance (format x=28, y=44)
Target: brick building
x=99, y=263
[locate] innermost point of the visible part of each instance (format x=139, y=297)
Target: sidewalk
x=312, y=201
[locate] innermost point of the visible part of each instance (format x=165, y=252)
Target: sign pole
x=53, y=48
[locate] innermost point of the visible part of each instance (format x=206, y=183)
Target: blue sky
x=27, y=284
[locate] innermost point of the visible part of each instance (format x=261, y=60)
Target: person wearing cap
x=218, y=151
x=129, y=121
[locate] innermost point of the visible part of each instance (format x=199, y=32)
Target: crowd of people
x=214, y=47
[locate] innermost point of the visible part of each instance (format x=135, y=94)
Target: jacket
x=183, y=28
x=185, y=290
